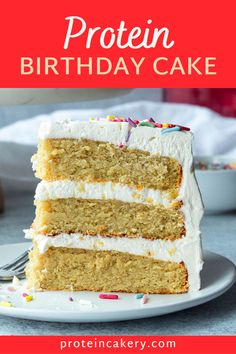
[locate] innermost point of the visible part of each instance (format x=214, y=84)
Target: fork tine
x=16, y=260
x=20, y=263
x=20, y=267
x=8, y=275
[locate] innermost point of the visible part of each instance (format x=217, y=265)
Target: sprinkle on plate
x=25, y=294
x=5, y=304
x=28, y=298
x=108, y=296
x=144, y=299
x=11, y=288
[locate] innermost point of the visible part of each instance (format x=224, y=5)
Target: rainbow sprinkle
x=111, y=117
x=170, y=130
x=139, y=296
x=29, y=298
x=144, y=299
x=146, y=124
x=25, y=294
x=166, y=127
x=183, y=128
x=11, y=288
x=108, y=296
x=131, y=122
x=151, y=120
x=5, y=304
x=116, y=119
x=71, y=298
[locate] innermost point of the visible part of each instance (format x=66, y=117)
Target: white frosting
x=115, y=133
x=181, y=250
x=174, y=144
x=103, y=190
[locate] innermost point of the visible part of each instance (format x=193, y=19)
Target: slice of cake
x=118, y=208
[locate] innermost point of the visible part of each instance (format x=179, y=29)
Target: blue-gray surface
x=215, y=317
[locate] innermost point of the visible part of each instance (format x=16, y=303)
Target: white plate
x=218, y=275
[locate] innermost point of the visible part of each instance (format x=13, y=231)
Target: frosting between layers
x=182, y=250
x=99, y=190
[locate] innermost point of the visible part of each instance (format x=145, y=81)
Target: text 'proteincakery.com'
x=120, y=343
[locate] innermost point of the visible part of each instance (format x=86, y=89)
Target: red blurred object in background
x=222, y=101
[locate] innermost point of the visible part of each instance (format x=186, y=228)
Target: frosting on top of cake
x=162, y=138
x=101, y=131
x=116, y=130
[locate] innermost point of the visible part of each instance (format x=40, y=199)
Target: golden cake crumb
x=104, y=271
x=108, y=218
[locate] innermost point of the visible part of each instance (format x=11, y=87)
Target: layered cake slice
x=118, y=208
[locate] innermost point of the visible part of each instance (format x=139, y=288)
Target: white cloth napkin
x=214, y=135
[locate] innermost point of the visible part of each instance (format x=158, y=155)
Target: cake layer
x=95, y=161
x=108, y=218
x=186, y=250
x=77, y=269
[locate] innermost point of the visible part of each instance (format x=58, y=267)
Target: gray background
x=10, y=114
x=215, y=317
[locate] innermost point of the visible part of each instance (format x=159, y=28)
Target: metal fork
x=15, y=267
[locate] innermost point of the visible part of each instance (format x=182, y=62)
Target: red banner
x=118, y=344
x=118, y=44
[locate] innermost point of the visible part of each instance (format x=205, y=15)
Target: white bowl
x=218, y=187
